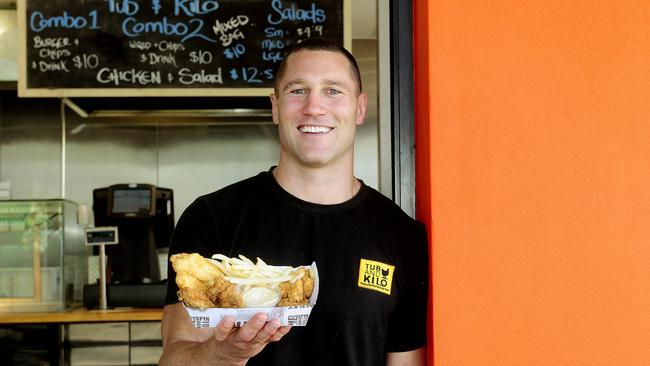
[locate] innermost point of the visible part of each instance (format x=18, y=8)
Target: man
x=371, y=257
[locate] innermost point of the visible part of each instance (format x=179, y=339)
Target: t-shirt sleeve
x=407, y=325
x=195, y=230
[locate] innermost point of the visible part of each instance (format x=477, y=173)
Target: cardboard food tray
x=288, y=315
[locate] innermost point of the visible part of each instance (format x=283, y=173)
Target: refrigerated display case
x=43, y=262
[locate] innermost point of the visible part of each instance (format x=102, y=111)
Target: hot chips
x=242, y=271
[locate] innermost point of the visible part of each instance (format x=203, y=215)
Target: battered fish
x=298, y=292
x=202, y=284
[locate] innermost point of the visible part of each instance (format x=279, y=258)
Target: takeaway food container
x=43, y=261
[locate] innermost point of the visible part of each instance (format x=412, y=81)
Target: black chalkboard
x=165, y=47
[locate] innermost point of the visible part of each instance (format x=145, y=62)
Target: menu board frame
x=157, y=91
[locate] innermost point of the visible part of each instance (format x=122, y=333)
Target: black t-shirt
x=365, y=307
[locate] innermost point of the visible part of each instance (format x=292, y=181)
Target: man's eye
x=332, y=91
x=299, y=91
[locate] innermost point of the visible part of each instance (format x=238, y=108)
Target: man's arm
x=224, y=345
x=411, y=358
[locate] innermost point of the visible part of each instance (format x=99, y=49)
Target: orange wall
x=533, y=167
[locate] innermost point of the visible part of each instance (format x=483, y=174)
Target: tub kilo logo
x=376, y=276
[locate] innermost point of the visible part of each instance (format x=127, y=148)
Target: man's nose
x=313, y=105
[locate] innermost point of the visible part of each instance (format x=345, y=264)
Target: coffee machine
x=144, y=216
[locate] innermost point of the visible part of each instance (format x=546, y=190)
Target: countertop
x=83, y=315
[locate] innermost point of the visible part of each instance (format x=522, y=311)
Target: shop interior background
x=189, y=157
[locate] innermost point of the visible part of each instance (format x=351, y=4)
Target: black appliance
x=144, y=215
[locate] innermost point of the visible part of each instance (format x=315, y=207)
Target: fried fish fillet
x=201, y=283
x=298, y=292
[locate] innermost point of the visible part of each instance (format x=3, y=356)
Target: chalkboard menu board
x=165, y=47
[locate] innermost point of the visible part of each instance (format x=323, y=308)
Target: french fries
x=263, y=285
x=242, y=271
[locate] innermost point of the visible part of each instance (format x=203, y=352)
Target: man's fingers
x=224, y=328
x=249, y=330
x=268, y=331
x=256, y=330
x=281, y=332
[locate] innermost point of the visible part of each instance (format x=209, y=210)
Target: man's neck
x=318, y=185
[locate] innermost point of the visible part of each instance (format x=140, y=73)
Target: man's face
x=317, y=109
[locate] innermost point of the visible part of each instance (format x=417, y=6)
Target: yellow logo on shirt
x=376, y=276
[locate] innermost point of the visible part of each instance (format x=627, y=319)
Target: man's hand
x=224, y=345
x=238, y=345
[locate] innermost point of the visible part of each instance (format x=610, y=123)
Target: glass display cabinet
x=43, y=262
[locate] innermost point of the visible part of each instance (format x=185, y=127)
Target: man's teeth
x=314, y=129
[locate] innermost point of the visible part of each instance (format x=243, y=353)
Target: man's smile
x=314, y=129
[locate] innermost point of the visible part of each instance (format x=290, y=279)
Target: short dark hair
x=318, y=44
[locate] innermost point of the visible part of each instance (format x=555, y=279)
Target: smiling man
x=371, y=257
x=317, y=105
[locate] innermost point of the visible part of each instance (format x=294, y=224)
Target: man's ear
x=274, y=108
x=362, y=104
